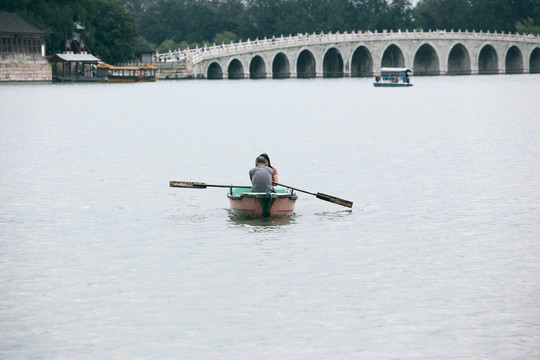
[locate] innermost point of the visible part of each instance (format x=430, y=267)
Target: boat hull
x=391, y=85
x=253, y=205
x=105, y=79
x=132, y=79
x=81, y=79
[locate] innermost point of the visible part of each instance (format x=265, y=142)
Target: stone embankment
x=173, y=70
x=25, y=70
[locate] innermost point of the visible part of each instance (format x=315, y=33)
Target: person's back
x=261, y=176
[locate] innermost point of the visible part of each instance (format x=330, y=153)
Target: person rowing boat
x=261, y=176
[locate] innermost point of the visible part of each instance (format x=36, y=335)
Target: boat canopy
x=111, y=67
x=395, y=70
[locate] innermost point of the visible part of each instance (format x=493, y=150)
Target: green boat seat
x=240, y=191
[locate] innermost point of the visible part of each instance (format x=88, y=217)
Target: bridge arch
x=459, y=60
x=359, y=54
x=426, y=61
x=332, y=63
x=392, y=57
x=361, y=62
x=534, y=61
x=513, y=62
x=488, y=62
x=257, y=68
x=281, y=68
x=305, y=65
x=214, y=72
x=235, y=69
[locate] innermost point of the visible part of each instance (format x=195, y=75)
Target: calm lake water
x=438, y=259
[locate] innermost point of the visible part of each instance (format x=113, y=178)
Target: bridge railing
x=199, y=54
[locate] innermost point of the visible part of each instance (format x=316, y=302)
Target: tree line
x=113, y=26
x=181, y=23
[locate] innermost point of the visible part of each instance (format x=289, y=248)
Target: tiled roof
x=15, y=23
x=73, y=58
x=142, y=48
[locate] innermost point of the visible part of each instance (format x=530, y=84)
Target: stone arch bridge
x=364, y=53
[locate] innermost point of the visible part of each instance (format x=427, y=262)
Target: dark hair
x=260, y=160
x=267, y=159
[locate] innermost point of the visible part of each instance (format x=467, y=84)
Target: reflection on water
x=262, y=224
x=187, y=218
x=331, y=215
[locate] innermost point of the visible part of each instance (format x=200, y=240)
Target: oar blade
x=334, y=200
x=188, y=184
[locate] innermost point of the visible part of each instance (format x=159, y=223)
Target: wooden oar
x=200, y=185
x=321, y=196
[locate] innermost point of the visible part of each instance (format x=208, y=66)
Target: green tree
x=399, y=15
x=444, y=14
x=264, y=16
x=382, y=14
x=138, y=6
x=527, y=26
x=178, y=20
x=485, y=15
x=225, y=37
x=231, y=16
x=114, y=30
x=167, y=45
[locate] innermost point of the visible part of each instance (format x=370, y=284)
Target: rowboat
x=252, y=205
x=246, y=203
x=393, y=77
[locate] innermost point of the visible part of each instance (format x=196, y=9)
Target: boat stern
x=245, y=203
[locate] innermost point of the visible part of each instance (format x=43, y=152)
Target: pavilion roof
x=142, y=48
x=15, y=23
x=88, y=58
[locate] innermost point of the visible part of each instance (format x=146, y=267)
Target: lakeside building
x=74, y=67
x=144, y=54
x=22, y=49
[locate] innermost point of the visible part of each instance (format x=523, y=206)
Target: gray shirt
x=261, y=179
